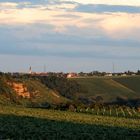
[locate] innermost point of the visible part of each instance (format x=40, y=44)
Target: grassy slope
x=132, y=83
x=7, y=95
x=110, y=88
x=23, y=123
x=43, y=93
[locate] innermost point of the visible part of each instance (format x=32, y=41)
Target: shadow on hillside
x=22, y=127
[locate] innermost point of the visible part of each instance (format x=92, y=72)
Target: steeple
x=30, y=70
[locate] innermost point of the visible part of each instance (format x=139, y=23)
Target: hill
x=46, y=91
x=132, y=82
x=109, y=88
x=7, y=95
x=27, y=92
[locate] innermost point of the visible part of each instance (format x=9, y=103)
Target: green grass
x=132, y=82
x=7, y=95
x=25, y=123
x=40, y=93
x=44, y=94
x=109, y=88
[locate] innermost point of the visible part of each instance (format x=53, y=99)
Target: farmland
x=26, y=123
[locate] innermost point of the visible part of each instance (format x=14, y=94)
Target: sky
x=69, y=35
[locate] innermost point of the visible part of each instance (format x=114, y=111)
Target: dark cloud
x=64, y=45
x=102, y=8
x=32, y=1
x=67, y=16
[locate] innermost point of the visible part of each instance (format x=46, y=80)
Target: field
x=110, y=87
x=26, y=123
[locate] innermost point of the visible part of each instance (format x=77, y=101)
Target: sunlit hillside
x=109, y=88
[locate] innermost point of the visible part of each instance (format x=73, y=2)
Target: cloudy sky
x=69, y=35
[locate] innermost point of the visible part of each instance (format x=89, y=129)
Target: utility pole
x=113, y=67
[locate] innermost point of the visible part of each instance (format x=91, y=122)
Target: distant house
x=123, y=74
x=108, y=74
x=71, y=75
x=133, y=74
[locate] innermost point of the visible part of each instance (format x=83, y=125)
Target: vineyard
x=126, y=112
x=27, y=123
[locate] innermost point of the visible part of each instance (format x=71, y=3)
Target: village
x=76, y=74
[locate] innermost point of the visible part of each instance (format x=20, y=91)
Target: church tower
x=30, y=70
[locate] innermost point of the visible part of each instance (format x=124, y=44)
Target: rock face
x=20, y=89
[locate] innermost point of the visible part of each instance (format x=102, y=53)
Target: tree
x=62, y=85
x=138, y=72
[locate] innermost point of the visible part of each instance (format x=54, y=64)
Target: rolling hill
x=27, y=92
x=109, y=88
x=132, y=82
x=31, y=91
